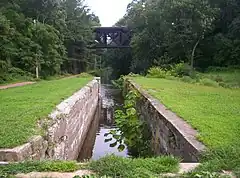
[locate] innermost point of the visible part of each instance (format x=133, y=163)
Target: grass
x=115, y=166
x=22, y=107
x=108, y=166
x=227, y=78
x=213, y=111
x=39, y=166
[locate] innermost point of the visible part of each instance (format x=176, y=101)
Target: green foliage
x=202, y=33
x=85, y=75
x=131, y=130
x=119, y=83
x=187, y=79
x=157, y=72
x=217, y=160
x=44, y=34
x=181, y=69
x=38, y=166
x=227, y=78
x=139, y=167
x=208, y=82
x=22, y=107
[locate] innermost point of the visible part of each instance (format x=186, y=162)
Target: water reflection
x=95, y=146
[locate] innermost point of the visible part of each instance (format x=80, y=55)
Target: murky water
x=95, y=146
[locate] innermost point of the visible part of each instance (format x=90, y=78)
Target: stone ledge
x=181, y=130
x=34, y=149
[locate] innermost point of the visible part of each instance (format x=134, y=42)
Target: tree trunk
x=193, y=53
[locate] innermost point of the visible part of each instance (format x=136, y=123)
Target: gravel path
x=15, y=85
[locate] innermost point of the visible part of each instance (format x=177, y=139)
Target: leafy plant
x=119, y=82
x=181, y=69
x=131, y=130
x=157, y=72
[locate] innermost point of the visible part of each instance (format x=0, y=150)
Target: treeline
x=201, y=33
x=49, y=35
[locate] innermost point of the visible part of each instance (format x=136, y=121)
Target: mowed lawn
x=22, y=107
x=214, y=112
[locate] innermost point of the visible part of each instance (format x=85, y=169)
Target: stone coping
x=181, y=125
x=34, y=149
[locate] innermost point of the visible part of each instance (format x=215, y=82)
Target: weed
x=126, y=167
x=39, y=166
x=157, y=72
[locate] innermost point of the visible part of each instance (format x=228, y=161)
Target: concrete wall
x=67, y=127
x=170, y=133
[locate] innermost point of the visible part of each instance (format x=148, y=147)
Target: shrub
x=208, y=82
x=133, y=75
x=187, y=79
x=181, y=69
x=157, y=72
x=85, y=75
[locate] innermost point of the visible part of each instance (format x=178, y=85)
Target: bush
x=133, y=75
x=157, y=72
x=84, y=75
x=181, y=69
x=187, y=79
x=208, y=82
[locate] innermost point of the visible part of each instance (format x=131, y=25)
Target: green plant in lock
x=131, y=130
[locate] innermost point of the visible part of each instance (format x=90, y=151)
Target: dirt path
x=15, y=85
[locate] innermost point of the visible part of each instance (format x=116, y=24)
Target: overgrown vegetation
x=220, y=159
x=228, y=78
x=131, y=131
x=50, y=35
x=139, y=167
x=22, y=107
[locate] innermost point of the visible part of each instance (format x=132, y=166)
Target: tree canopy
x=202, y=33
x=48, y=34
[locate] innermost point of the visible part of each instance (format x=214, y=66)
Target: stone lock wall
x=170, y=133
x=72, y=120
x=68, y=126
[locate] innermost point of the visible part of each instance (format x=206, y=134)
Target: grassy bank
x=112, y=166
x=22, y=107
x=213, y=111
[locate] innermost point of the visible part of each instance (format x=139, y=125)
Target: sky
x=109, y=11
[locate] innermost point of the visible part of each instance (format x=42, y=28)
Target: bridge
x=112, y=37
